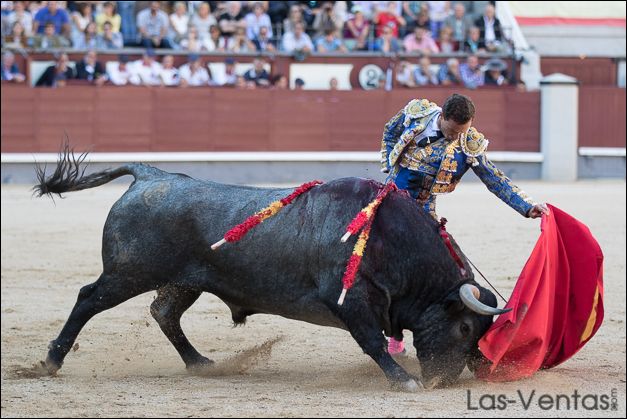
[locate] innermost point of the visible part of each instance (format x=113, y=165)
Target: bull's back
x=164, y=228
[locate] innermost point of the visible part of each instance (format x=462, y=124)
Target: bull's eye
x=465, y=329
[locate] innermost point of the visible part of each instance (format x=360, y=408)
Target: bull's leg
x=95, y=298
x=365, y=329
x=171, y=302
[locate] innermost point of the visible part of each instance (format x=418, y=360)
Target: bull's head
x=447, y=333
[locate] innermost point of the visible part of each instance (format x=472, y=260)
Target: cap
x=495, y=64
x=150, y=52
x=299, y=82
x=229, y=61
x=193, y=57
x=123, y=58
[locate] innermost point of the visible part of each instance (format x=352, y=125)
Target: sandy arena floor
x=126, y=367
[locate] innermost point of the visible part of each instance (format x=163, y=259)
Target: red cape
x=557, y=303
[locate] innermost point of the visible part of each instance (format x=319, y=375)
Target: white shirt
x=490, y=36
x=199, y=78
x=179, y=23
x=118, y=77
x=142, y=74
x=169, y=76
x=432, y=127
x=290, y=43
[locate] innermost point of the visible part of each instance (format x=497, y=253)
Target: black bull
x=158, y=236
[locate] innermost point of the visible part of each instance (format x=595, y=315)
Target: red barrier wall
x=207, y=119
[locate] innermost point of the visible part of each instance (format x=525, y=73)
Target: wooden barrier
x=128, y=118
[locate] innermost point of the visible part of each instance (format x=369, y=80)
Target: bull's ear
x=452, y=303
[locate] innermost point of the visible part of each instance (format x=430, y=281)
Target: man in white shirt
x=194, y=73
x=146, y=70
x=169, y=74
x=227, y=77
x=297, y=40
x=119, y=74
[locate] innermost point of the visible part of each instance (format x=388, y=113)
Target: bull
x=158, y=236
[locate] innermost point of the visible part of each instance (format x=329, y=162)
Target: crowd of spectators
x=249, y=26
x=295, y=27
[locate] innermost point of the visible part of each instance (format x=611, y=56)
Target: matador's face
x=452, y=130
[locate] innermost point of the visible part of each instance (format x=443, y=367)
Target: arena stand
x=293, y=135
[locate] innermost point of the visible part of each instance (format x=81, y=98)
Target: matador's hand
x=537, y=210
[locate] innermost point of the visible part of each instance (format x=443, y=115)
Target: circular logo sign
x=369, y=76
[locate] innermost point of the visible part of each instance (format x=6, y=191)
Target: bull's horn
x=468, y=293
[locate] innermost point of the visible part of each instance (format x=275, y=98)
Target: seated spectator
x=449, y=74
x=459, y=23
x=404, y=75
x=21, y=15
x=326, y=19
x=169, y=74
x=108, y=14
x=471, y=72
x=56, y=75
x=299, y=84
x=179, y=22
x=88, y=39
x=146, y=70
x=277, y=10
x=438, y=12
x=423, y=17
x=263, y=42
x=17, y=39
x=474, y=45
x=218, y=40
x=295, y=16
x=152, y=24
x=445, y=41
x=193, y=43
x=109, y=39
x=496, y=72
x=120, y=75
x=193, y=73
x=411, y=10
x=420, y=41
x=89, y=68
x=297, y=41
x=490, y=29
x=258, y=74
x=240, y=43
x=356, y=31
x=49, y=39
x=229, y=76
x=231, y=19
x=330, y=43
x=203, y=20
x=424, y=75
x=128, y=22
x=280, y=82
x=255, y=20
x=389, y=17
x=333, y=84
x=52, y=13
x=10, y=72
x=80, y=19
x=387, y=42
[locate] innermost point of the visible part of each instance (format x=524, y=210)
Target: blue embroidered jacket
x=437, y=168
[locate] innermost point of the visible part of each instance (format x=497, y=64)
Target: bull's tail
x=69, y=174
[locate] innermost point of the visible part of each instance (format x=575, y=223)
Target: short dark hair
x=459, y=108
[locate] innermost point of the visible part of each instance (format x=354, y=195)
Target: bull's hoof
x=409, y=386
x=200, y=367
x=50, y=367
